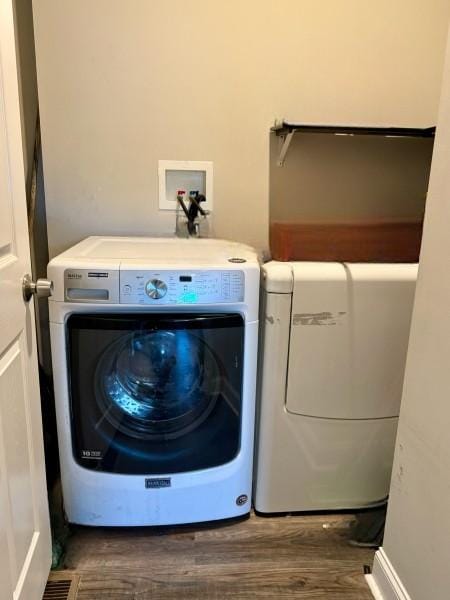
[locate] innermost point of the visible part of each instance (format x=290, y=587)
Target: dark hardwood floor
x=306, y=557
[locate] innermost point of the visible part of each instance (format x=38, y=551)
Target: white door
x=25, y=542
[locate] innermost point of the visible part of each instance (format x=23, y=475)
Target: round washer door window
x=157, y=384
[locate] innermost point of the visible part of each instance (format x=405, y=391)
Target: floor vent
x=61, y=585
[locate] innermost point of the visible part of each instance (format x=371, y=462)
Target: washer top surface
x=160, y=250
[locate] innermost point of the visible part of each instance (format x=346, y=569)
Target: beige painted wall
x=344, y=178
x=417, y=537
x=123, y=84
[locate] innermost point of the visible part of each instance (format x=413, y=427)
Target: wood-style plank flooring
x=306, y=557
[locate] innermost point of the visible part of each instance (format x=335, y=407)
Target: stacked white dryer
x=334, y=346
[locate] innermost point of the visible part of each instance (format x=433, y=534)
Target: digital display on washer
x=177, y=288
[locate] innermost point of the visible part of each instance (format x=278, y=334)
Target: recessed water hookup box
x=188, y=175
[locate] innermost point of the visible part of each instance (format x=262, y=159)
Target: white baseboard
x=384, y=582
x=374, y=588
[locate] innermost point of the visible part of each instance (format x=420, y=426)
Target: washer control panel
x=181, y=287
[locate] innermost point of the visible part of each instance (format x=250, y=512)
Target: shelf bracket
x=285, y=143
x=285, y=131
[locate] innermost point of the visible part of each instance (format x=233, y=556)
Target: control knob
x=155, y=289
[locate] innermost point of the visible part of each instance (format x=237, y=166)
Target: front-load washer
x=333, y=352
x=154, y=349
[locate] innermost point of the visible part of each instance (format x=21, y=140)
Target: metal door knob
x=42, y=288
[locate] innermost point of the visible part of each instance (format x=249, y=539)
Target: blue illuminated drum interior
x=155, y=393
x=158, y=383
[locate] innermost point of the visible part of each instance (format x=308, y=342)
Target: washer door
x=155, y=393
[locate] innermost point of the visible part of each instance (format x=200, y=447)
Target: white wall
x=125, y=83
x=417, y=538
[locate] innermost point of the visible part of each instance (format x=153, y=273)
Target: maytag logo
x=158, y=482
x=74, y=275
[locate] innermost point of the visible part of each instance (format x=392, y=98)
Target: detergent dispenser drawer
x=349, y=337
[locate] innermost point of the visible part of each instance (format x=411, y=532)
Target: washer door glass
x=155, y=393
x=158, y=383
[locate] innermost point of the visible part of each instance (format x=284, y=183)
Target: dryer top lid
x=161, y=250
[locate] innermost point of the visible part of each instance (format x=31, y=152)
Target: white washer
x=154, y=345
x=333, y=347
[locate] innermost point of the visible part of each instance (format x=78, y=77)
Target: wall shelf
x=286, y=130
